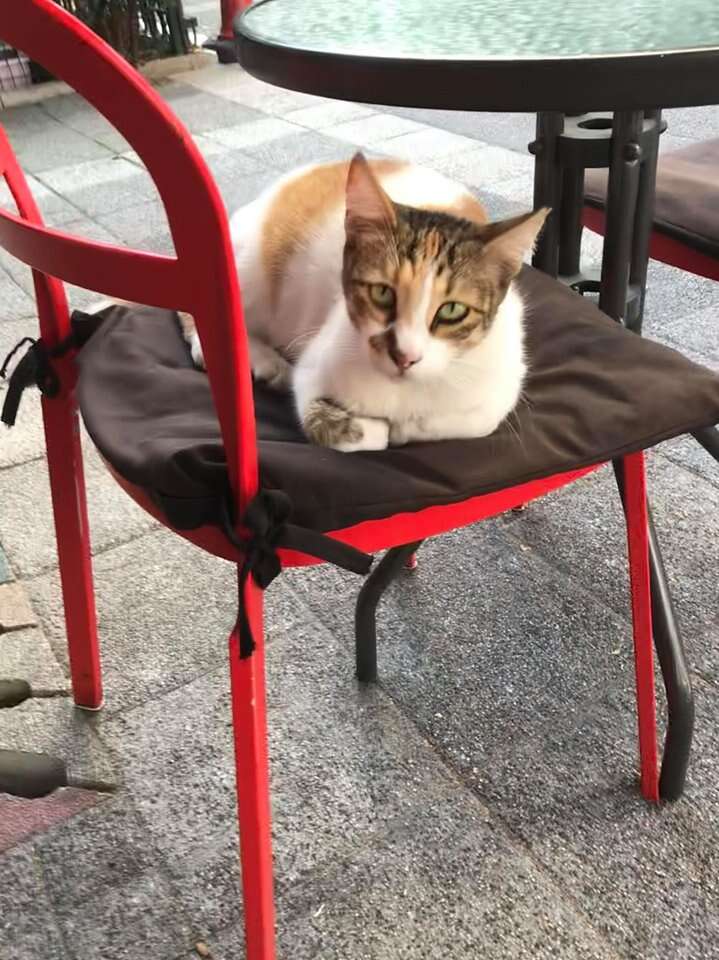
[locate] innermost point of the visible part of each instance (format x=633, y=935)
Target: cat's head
x=423, y=287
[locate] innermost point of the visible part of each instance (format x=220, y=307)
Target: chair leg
x=67, y=486
x=675, y=673
x=709, y=439
x=411, y=563
x=635, y=509
x=249, y=722
x=366, y=610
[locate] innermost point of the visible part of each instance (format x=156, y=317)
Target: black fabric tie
x=36, y=369
x=267, y=518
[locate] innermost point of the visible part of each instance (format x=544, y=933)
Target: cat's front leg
x=328, y=424
x=451, y=426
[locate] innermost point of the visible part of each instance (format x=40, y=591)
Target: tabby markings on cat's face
x=423, y=286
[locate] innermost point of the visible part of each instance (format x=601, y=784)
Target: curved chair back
x=201, y=279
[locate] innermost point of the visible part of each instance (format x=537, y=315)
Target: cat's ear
x=510, y=240
x=367, y=203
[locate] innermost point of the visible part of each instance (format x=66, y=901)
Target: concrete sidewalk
x=481, y=801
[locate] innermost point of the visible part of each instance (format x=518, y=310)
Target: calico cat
x=380, y=295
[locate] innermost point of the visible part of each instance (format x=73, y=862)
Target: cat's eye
x=381, y=295
x=451, y=312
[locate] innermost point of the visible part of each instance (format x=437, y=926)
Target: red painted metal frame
x=202, y=280
x=64, y=456
x=637, y=520
x=664, y=248
x=228, y=11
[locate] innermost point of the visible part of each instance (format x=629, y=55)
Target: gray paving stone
x=649, y=874
x=513, y=130
x=238, y=188
x=328, y=113
x=202, y=112
x=27, y=655
x=518, y=189
x=6, y=574
x=530, y=636
x=498, y=207
x=580, y=531
x=369, y=130
x=424, y=145
x=28, y=929
x=16, y=302
x=15, y=610
x=672, y=293
x=23, y=123
x=544, y=733
x=135, y=918
x=26, y=440
x=75, y=112
x=686, y=452
x=698, y=123
x=339, y=754
x=239, y=87
x=101, y=186
x=106, y=846
x=165, y=610
x=447, y=883
x=56, y=727
x=55, y=210
x=142, y=226
x=26, y=526
x=668, y=142
x=20, y=273
x=697, y=332
x=289, y=152
x=253, y=133
x=484, y=166
x=49, y=144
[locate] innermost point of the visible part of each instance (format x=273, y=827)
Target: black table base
x=627, y=144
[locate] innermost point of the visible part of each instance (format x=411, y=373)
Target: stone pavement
x=481, y=801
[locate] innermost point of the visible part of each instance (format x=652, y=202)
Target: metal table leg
x=548, y=189
x=629, y=214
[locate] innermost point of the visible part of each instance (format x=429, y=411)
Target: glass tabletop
x=486, y=29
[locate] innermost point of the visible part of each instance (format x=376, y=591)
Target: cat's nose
x=404, y=361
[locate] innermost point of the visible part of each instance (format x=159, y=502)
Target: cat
x=381, y=296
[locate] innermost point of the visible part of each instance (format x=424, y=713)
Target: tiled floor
x=480, y=802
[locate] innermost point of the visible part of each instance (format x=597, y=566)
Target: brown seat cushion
x=687, y=199
x=595, y=391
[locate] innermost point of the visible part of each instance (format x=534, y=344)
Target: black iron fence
x=140, y=30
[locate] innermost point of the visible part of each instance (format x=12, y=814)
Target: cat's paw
x=189, y=332
x=398, y=434
x=198, y=358
x=273, y=370
x=328, y=424
x=374, y=435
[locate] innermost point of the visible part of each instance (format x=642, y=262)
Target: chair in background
x=685, y=231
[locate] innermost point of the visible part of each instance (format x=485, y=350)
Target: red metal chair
x=201, y=279
x=685, y=231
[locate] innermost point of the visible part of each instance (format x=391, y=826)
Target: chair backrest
x=201, y=279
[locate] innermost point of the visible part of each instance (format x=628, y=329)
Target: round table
x=564, y=60
x=499, y=55
x=558, y=58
